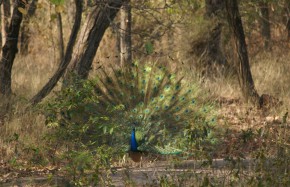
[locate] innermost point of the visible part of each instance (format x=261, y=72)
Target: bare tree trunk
x=91, y=35
x=5, y=16
x=287, y=10
x=245, y=77
x=288, y=29
x=60, y=36
x=9, y=49
x=0, y=25
x=25, y=30
x=208, y=48
x=265, y=25
x=125, y=34
x=67, y=58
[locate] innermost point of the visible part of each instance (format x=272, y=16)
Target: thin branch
x=67, y=58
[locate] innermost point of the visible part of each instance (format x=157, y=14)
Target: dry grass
x=271, y=75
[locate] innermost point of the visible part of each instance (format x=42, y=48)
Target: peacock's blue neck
x=133, y=142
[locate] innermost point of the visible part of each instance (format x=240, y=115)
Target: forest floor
x=242, y=133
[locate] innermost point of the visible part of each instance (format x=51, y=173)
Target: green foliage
x=75, y=123
x=89, y=169
x=57, y=2
x=149, y=48
x=73, y=115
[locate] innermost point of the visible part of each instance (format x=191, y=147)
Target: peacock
x=157, y=107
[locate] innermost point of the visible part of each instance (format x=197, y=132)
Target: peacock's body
x=138, y=146
x=156, y=103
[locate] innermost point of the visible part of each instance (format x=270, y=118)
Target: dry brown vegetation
x=22, y=143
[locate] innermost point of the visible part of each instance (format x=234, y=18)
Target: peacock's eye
x=192, y=101
x=167, y=87
x=177, y=108
x=147, y=111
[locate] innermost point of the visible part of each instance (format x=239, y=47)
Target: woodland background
x=243, y=67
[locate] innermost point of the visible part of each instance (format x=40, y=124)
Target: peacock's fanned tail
x=156, y=101
x=167, y=150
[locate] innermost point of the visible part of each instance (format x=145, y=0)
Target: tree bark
x=9, y=49
x=265, y=25
x=0, y=25
x=5, y=16
x=287, y=10
x=60, y=36
x=245, y=77
x=25, y=30
x=93, y=30
x=208, y=48
x=67, y=57
x=125, y=34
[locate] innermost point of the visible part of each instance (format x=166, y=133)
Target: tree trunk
x=245, y=77
x=93, y=30
x=265, y=25
x=25, y=30
x=67, y=57
x=0, y=25
x=9, y=49
x=5, y=16
x=208, y=48
x=60, y=36
x=125, y=34
x=213, y=11
x=287, y=10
